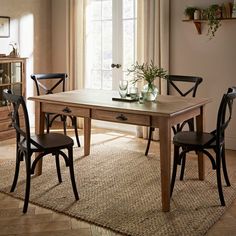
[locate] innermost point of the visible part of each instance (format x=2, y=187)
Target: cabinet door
x=10, y=78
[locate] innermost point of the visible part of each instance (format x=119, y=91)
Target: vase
x=149, y=92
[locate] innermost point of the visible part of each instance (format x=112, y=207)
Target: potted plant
x=147, y=72
x=189, y=12
x=213, y=17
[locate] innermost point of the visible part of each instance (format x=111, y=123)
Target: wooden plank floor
x=39, y=221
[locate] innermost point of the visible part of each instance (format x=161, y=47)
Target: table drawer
x=121, y=117
x=66, y=110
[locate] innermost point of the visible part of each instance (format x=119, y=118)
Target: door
x=110, y=42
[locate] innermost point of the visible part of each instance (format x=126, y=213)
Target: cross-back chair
x=203, y=142
x=27, y=144
x=47, y=84
x=174, y=82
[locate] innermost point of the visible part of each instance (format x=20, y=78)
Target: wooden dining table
x=163, y=113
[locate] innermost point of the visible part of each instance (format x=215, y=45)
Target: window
x=110, y=39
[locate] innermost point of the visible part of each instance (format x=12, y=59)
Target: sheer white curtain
x=153, y=41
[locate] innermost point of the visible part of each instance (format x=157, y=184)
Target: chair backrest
x=20, y=123
x=173, y=82
x=47, y=83
x=224, y=113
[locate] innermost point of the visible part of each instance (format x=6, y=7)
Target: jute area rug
x=120, y=190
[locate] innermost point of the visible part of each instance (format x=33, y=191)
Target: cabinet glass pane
x=10, y=73
x=5, y=72
x=16, y=72
x=10, y=78
x=2, y=100
x=16, y=88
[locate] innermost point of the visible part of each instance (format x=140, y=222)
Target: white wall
x=214, y=60
x=30, y=26
x=59, y=35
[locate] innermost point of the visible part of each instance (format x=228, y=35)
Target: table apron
x=176, y=119
x=120, y=117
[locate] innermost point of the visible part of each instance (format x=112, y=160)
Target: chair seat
x=52, y=141
x=193, y=139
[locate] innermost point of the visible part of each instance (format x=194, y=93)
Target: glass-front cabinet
x=12, y=76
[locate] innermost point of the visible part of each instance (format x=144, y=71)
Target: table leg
x=39, y=129
x=87, y=136
x=165, y=159
x=200, y=128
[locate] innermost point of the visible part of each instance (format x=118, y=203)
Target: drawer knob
x=121, y=117
x=67, y=110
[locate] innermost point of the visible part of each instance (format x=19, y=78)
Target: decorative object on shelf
x=14, y=52
x=4, y=27
x=234, y=10
x=213, y=15
x=1, y=75
x=213, y=19
x=197, y=14
x=226, y=9
x=189, y=13
x=147, y=72
x=203, y=14
x=7, y=79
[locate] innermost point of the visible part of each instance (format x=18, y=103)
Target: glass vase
x=149, y=92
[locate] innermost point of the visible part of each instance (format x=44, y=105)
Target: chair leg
x=74, y=123
x=63, y=119
x=47, y=122
x=27, y=190
x=224, y=166
x=58, y=168
x=218, y=175
x=72, y=175
x=175, y=164
x=182, y=167
x=149, y=140
x=17, y=168
x=191, y=124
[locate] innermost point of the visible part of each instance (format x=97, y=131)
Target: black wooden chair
x=174, y=82
x=26, y=145
x=202, y=142
x=46, y=84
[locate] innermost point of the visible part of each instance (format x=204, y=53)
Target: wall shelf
x=198, y=23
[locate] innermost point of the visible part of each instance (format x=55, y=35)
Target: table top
x=166, y=105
